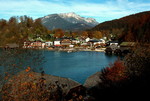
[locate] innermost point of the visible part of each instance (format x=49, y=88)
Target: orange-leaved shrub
x=112, y=80
x=115, y=72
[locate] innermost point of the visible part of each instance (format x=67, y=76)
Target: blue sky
x=101, y=10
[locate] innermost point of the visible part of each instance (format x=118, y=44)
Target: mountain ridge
x=68, y=21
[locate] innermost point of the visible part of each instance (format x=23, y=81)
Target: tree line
x=18, y=29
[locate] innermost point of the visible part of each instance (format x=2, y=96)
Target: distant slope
x=134, y=27
x=68, y=21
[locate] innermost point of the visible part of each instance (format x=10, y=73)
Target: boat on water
x=69, y=51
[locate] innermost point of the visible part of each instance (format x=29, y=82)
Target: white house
x=48, y=44
x=27, y=44
x=102, y=40
x=113, y=45
x=75, y=41
x=57, y=42
x=43, y=45
x=71, y=46
x=87, y=39
x=99, y=42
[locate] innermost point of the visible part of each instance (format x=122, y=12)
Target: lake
x=77, y=66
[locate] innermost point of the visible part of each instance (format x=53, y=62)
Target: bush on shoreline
x=133, y=81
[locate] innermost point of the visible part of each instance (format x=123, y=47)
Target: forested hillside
x=134, y=27
x=18, y=29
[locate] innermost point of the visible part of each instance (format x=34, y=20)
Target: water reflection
x=77, y=65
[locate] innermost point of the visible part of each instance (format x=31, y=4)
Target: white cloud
x=111, y=9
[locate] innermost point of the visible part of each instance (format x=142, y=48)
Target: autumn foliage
x=25, y=87
x=30, y=86
x=28, y=69
x=128, y=78
x=115, y=72
x=18, y=29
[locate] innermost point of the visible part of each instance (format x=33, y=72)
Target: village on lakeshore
x=77, y=44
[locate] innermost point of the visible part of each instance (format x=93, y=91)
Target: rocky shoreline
x=92, y=80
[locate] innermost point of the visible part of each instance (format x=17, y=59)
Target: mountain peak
x=68, y=19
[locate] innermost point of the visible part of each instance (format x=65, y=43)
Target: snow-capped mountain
x=68, y=21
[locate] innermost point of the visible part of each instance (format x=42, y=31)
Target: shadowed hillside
x=130, y=28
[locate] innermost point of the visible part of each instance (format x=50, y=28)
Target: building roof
x=13, y=45
x=58, y=39
x=94, y=41
x=51, y=35
x=36, y=39
x=113, y=41
x=127, y=44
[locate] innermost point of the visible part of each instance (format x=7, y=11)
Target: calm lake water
x=76, y=65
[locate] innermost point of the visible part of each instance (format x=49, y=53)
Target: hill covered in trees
x=134, y=27
x=18, y=29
